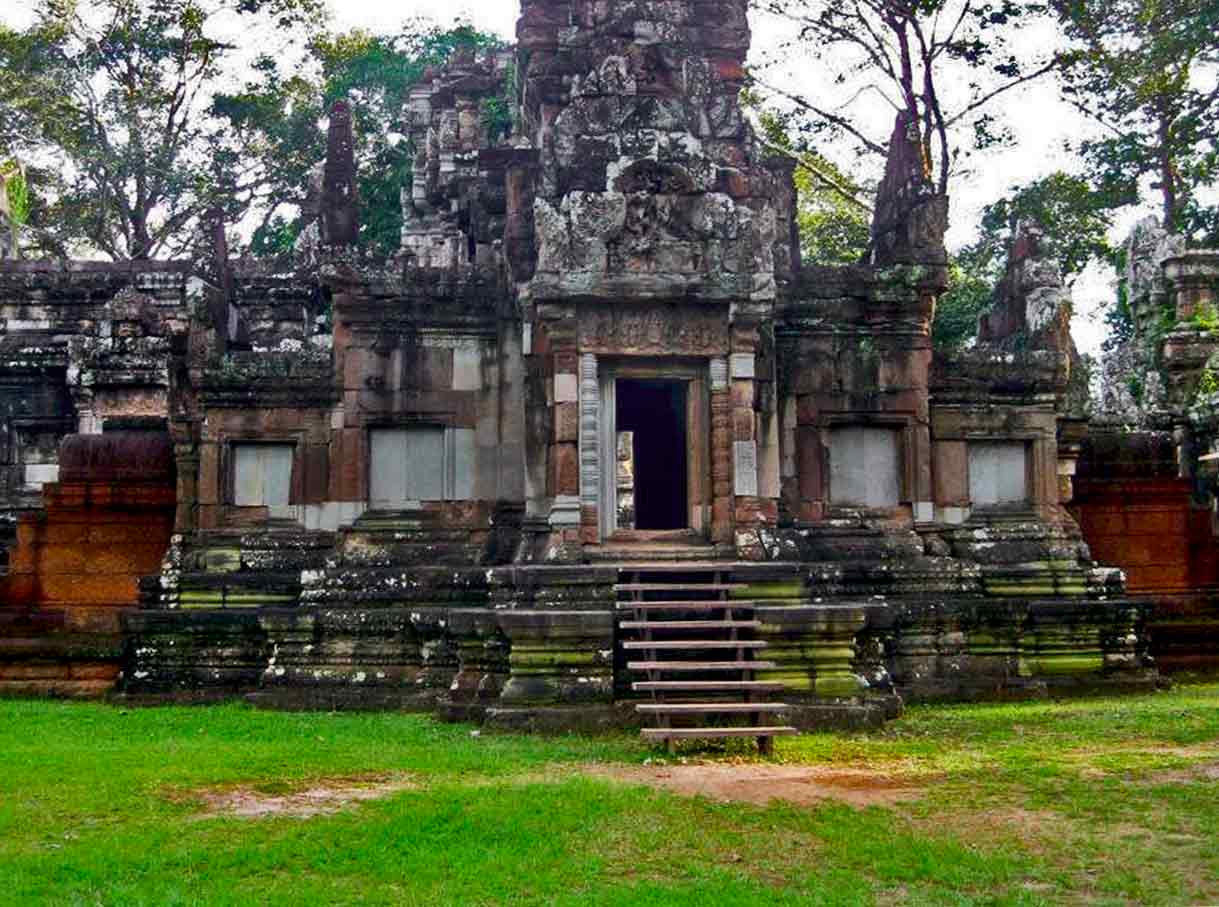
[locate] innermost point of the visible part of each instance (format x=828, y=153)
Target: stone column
x=563, y=460
x=510, y=458
x=721, y=453
x=590, y=449
x=751, y=511
x=186, y=456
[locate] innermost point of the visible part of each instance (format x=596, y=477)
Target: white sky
x=1040, y=121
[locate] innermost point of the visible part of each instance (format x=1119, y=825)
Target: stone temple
x=597, y=439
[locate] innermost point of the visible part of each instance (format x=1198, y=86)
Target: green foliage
x=1160, y=326
x=833, y=224
x=375, y=74
x=1119, y=320
x=832, y=230
x=498, y=113
x=1141, y=68
x=1119, y=317
x=877, y=53
x=117, y=94
x=1208, y=384
x=972, y=276
x=1134, y=384
x=152, y=122
x=1075, y=219
x=1205, y=318
x=17, y=189
x=274, y=238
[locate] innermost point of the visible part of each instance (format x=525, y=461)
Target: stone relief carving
x=653, y=331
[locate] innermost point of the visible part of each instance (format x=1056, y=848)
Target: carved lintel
x=659, y=331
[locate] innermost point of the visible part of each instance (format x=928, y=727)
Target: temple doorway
x=652, y=460
x=654, y=445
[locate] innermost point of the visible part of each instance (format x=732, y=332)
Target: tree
x=1076, y=220
x=902, y=51
x=375, y=74
x=833, y=221
x=972, y=275
x=1145, y=70
x=117, y=94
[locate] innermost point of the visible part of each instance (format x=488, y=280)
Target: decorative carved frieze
x=657, y=330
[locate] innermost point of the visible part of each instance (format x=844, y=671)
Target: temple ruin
x=596, y=448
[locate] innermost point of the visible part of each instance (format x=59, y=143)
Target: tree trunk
x=1168, y=176
x=141, y=241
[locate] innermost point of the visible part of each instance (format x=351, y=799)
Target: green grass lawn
x=1098, y=802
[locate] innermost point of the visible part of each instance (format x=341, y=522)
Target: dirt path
x=762, y=783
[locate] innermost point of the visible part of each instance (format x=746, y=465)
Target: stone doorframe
x=598, y=437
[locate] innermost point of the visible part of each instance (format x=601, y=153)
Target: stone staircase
x=681, y=628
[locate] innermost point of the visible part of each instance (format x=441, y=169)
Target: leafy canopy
x=1147, y=71
x=941, y=62
x=110, y=103
x=834, y=223
x=375, y=73
x=1075, y=220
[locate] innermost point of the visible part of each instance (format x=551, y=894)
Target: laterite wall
x=78, y=562
x=1137, y=514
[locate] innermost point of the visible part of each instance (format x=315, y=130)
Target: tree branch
x=840, y=122
x=1014, y=83
x=827, y=181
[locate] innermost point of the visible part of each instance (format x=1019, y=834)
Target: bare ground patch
x=1039, y=831
x=320, y=798
x=762, y=783
x=1205, y=772
x=1133, y=754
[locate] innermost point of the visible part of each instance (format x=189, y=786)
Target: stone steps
x=671, y=735
x=687, y=605
x=697, y=618
x=658, y=554
x=679, y=585
x=661, y=667
x=690, y=624
x=689, y=644
x=708, y=686
x=710, y=708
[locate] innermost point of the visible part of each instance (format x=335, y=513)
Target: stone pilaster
x=751, y=511
x=590, y=447
x=721, y=453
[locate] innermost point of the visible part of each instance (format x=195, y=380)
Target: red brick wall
x=75, y=569
x=1149, y=528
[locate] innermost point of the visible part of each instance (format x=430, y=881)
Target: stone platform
x=539, y=647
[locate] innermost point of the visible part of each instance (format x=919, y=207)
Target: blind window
x=407, y=464
x=998, y=473
x=262, y=475
x=865, y=467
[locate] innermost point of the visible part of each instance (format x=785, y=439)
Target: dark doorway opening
x=654, y=411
